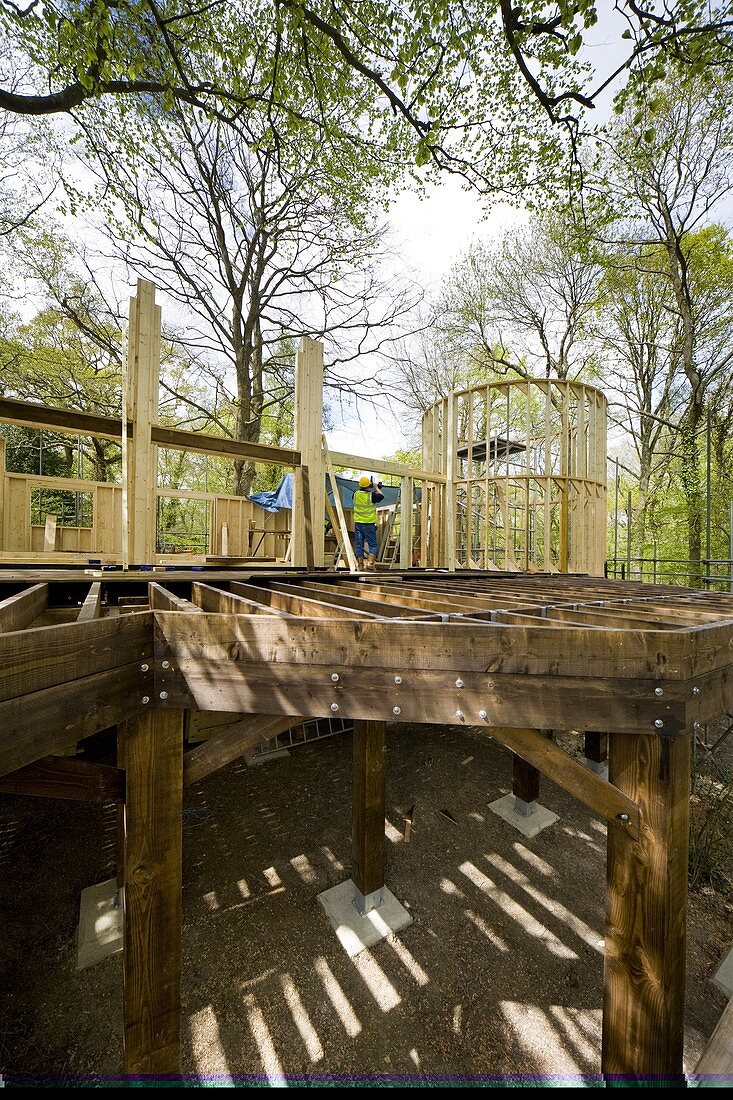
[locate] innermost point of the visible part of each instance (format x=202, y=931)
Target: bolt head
x=459, y=714
x=145, y=699
x=398, y=679
x=396, y=710
x=144, y=668
x=459, y=683
x=334, y=707
x=696, y=691
x=166, y=664
x=696, y=726
x=659, y=691
x=335, y=677
x=164, y=695
x=484, y=714
x=623, y=818
x=659, y=723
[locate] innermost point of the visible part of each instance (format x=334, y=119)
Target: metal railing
x=715, y=574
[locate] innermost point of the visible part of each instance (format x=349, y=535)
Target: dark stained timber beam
x=153, y=882
x=370, y=769
x=646, y=907
x=199, y=443
x=44, y=657
x=17, y=612
x=64, y=777
x=48, y=721
x=62, y=420
x=232, y=743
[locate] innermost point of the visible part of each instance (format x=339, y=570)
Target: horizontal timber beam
x=67, y=421
x=233, y=742
x=180, y=440
x=17, y=612
x=384, y=466
x=64, y=777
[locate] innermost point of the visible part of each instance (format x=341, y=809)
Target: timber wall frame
x=513, y=655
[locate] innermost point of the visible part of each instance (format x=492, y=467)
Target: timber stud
x=658, y=691
x=164, y=695
x=335, y=677
x=659, y=723
x=334, y=707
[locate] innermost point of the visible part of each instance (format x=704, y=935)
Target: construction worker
x=366, y=497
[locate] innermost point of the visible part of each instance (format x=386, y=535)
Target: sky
x=429, y=233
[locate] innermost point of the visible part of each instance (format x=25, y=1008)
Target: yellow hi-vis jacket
x=364, y=509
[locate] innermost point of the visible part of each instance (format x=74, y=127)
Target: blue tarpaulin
x=282, y=497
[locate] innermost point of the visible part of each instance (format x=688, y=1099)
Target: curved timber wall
x=526, y=475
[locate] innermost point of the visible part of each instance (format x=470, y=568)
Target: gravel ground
x=500, y=973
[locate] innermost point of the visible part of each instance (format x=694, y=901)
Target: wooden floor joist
x=631, y=666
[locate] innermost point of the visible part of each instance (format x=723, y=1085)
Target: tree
x=669, y=182
x=260, y=242
x=421, y=69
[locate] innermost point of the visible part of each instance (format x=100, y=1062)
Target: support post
x=308, y=432
x=2, y=491
x=406, y=523
x=140, y=401
x=596, y=751
x=370, y=770
x=525, y=785
x=449, y=446
x=152, y=873
x=646, y=908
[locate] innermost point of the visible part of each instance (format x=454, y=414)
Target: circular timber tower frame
x=525, y=466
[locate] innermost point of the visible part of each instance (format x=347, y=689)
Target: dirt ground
x=500, y=973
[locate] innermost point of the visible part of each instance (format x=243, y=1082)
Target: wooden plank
x=92, y=606
x=297, y=604
x=370, y=770
x=384, y=466
x=199, y=443
x=339, y=596
x=233, y=743
x=46, y=656
x=716, y=1061
x=215, y=600
x=153, y=882
x=161, y=599
x=339, y=508
x=646, y=906
x=48, y=721
x=68, y=421
x=406, y=495
x=64, y=777
x=17, y=612
x=49, y=534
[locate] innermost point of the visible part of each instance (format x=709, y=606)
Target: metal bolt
x=398, y=679
x=166, y=664
x=144, y=668
x=145, y=699
x=459, y=714
x=623, y=818
x=483, y=714
x=659, y=723
x=335, y=677
x=164, y=695
x=658, y=691
x=459, y=683
x=334, y=707
x=696, y=691
x=396, y=710
x=696, y=726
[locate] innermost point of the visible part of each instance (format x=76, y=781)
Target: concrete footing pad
x=595, y=766
x=357, y=932
x=723, y=976
x=528, y=824
x=100, y=923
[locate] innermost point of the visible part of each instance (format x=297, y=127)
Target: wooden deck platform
x=631, y=666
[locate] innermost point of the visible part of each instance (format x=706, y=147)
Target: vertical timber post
x=141, y=379
x=308, y=432
x=2, y=491
x=646, y=908
x=449, y=446
x=525, y=785
x=595, y=750
x=152, y=870
x=370, y=771
x=406, y=523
